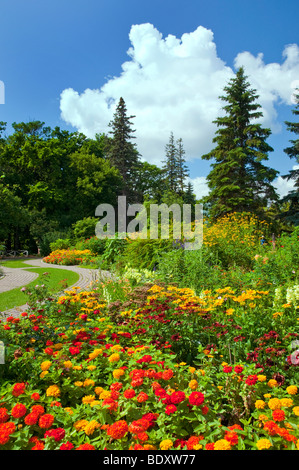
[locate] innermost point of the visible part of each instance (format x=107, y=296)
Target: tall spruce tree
x=123, y=153
x=170, y=165
x=292, y=214
x=174, y=166
x=182, y=168
x=238, y=180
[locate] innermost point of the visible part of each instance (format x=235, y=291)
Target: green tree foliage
x=123, y=153
x=292, y=214
x=238, y=180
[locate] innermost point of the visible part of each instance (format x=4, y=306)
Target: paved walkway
x=19, y=277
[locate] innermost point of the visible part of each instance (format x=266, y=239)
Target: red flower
x=31, y=419
x=177, y=397
x=38, y=410
x=67, y=446
x=138, y=426
x=238, y=369
x=196, y=398
x=58, y=434
x=271, y=427
x=19, y=410
x=167, y=374
x=251, y=380
x=146, y=358
x=46, y=421
x=118, y=429
x=210, y=446
x=142, y=397
x=35, y=396
x=4, y=416
x=85, y=447
x=129, y=393
x=231, y=437
x=73, y=350
x=170, y=409
x=18, y=389
x=227, y=369
x=278, y=415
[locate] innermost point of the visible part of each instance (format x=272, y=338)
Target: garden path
x=18, y=277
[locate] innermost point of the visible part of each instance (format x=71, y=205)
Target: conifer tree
x=292, y=214
x=123, y=153
x=170, y=165
x=182, y=168
x=238, y=180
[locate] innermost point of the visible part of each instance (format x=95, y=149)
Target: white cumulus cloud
x=173, y=85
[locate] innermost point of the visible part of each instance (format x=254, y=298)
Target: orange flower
x=118, y=429
x=46, y=421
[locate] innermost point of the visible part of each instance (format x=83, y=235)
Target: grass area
x=57, y=280
x=15, y=264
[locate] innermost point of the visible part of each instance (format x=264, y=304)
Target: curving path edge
x=18, y=277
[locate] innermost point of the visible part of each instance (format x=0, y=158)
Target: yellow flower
x=263, y=418
x=286, y=402
x=193, y=384
x=263, y=444
x=91, y=368
x=202, y=372
x=230, y=311
x=296, y=410
x=166, y=444
x=68, y=364
x=197, y=447
x=78, y=383
x=98, y=390
x=88, y=382
x=42, y=375
x=105, y=394
x=95, y=353
x=88, y=399
x=267, y=395
x=114, y=357
x=77, y=367
x=292, y=390
x=274, y=404
x=79, y=425
x=53, y=391
x=222, y=444
x=45, y=365
x=261, y=378
x=192, y=370
x=260, y=404
x=272, y=383
x=90, y=428
x=117, y=373
x=69, y=410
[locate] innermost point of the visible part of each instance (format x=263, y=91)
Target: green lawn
x=57, y=280
x=14, y=264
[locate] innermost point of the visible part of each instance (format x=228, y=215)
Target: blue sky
x=181, y=55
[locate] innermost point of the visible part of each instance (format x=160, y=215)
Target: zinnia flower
x=177, y=397
x=53, y=391
x=196, y=398
x=166, y=444
x=278, y=415
x=46, y=421
x=118, y=429
x=222, y=444
x=263, y=444
x=19, y=410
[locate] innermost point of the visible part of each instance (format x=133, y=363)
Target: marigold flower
x=118, y=429
x=80, y=425
x=272, y=383
x=263, y=444
x=114, y=357
x=90, y=428
x=166, y=444
x=292, y=390
x=88, y=399
x=222, y=444
x=260, y=404
x=53, y=391
x=274, y=404
x=286, y=402
x=18, y=411
x=45, y=365
x=193, y=384
x=117, y=373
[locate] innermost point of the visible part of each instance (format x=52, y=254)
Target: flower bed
x=166, y=371
x=68, y=257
